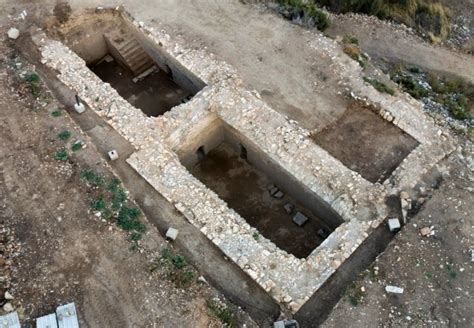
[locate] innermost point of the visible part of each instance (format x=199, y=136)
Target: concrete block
x=393, y=289
x=273, y=191
x=113, y=155
x=79, y=108
x=67, y=316
x=13, y=33
x=279, y=324
x=172, y=234
x=286, y=324
x=47, y=321
x=394, y=224
x=279, y=194
x=300, y=219
x=10, y=320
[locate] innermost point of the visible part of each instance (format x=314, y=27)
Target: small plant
x=61, y=155
x=114, y=185
x=380, y=86
x=127, y=220
x=134, y=236
x=319, y=18
x=354, y=294
x=98, y=204
x=94, y=179
x=222, y=312
x=412, y=86
x=56, y=113
x=118, y=198
x=177, y=260
x=256, y=236
x=354, y=301
x=451, y=272
x=32, y=79
x=64, y=135
x=458, y=108
x=77, y=145
x=350, y=39
x=353, y=51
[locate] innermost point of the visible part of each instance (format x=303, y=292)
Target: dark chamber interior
x=141, y=72
x=253, y=187
x=154, y=94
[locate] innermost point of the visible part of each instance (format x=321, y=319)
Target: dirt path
x=382, y=40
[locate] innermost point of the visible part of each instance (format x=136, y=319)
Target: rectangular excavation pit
x=122, y=55
x=366, y=143
x=243, y=176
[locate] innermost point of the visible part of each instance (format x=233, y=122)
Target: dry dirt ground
x=435, y=271
x=66, y=253
x=355, y=140
x=382, y=40
x=55, y=250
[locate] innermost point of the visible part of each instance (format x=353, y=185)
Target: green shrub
x=321, y=19
x=98, y=204
x=61, y=155
x=222, y=312
x=410, y=85
x=450, y=270
x=64, y=135
x=380, y=86
x=56, y=113
x=430, y=15
x=95, y=179
x=177, y=260
x=118, y=198
x=76, y=145
x=458, y=107
x=350, y=39
x=32, y=79
x=134, y=236
x=114, y=185
x=127, y=220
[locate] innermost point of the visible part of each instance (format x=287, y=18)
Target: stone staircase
x=127, y=49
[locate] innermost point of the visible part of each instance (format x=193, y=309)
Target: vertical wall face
x=208, y=134
x=283, y=179
x=179, y=74
x=85, y=35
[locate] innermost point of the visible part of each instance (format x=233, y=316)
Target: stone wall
x=159, y=141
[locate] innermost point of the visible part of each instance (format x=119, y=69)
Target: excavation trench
x=133, y=64
x=276, y=203
x=280, y=207
x=366, y=143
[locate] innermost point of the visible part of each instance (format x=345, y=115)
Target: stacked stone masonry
x=290, y=280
